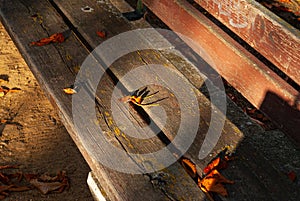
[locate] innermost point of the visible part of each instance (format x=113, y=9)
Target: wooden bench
x=263, y=83
x=56, y=66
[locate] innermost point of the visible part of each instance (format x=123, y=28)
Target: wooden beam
x=270, y=35
x=241, y=69
x=55, y=65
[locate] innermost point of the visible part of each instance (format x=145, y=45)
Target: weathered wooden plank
x=231, y=135
x=249, y=167
x=51, y=67
x=241, y=69
x=116, y=184
x=271, y=36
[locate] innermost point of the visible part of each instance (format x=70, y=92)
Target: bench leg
x=95, y=188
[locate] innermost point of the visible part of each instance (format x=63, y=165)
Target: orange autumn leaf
x=54, y=38
x=285, y=1
x=101, y=34
x=212, y=165
x=189, y=167
x=213, y=182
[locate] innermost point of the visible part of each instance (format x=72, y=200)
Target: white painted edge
x=94, y=188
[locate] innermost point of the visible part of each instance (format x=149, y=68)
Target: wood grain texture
x=236, y=133
x=54, y=71
x=120, y=68
x=241, y=69
x=271, y=36
x=55, y=67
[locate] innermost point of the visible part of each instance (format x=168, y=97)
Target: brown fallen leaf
x=212, y=165
x=46, y=184
x=54, y=38
x=189, y=167
x=4, y=178
x=5, y=188
x=213, y=182
x=102, y=34
x=19, y=188
x=45, y=187
x=8, y=166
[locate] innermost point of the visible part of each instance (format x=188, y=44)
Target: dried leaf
x=4, y=178
x=212, y=165
x=54, y=38
x=29, y=177
x=8, y=166
x=213, y=182
x=70, y=91
x=43, y=183
x=19, y=188
x=189, y=167
x=5, y=188
x=45, y=187
x=46, y=184
x=102, y=34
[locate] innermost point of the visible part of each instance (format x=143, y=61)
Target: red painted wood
x=275, y=39
x=241, y=69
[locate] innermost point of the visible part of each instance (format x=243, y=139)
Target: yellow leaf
x=70, y=91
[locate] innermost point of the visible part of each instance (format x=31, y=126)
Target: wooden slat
x=241, y=69
x=248, y=172
x=55, y=67
x=59, y=72
x=120, y=68
x=271, y=36
x=53, y=71
x=230, y=134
